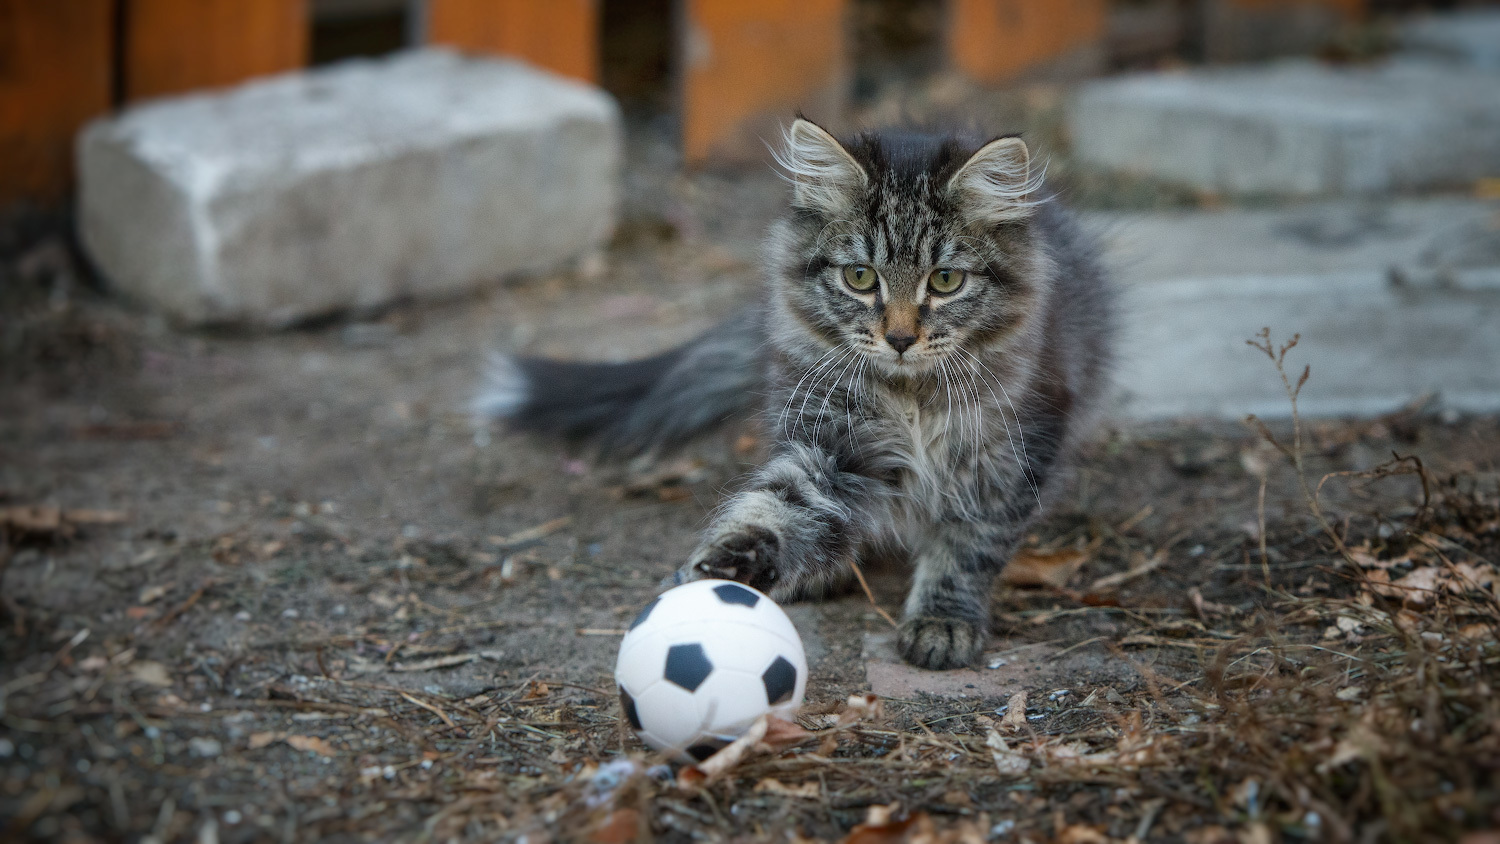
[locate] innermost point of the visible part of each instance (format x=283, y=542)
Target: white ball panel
x=733, y=701
x=641, y=661
x=669, y=717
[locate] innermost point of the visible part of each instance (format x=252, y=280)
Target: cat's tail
x=635, y=407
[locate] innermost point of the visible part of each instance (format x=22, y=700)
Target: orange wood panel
x=749, y=64
x=181, y=45
x=55, y=61
x=997, y=40
x=559, y=35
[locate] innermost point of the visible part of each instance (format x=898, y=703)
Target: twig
x=863, y=584
x=433, y=709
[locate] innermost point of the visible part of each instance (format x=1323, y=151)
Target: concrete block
x=423, y=174
x=1295, y=128
x=1470, y=37
x=1394, y=301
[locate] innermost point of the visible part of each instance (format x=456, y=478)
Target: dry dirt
x=289, y=593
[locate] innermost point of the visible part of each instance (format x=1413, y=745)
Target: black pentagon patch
x=702, y=750
x=645, y=611
x=627, y=703
x=687, y=666
x=780, y=680
x=733, y=593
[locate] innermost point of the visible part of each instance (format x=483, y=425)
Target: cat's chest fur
x=930, y=442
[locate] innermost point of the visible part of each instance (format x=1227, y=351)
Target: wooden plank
x=559, y=35
x=55, y=62
x=748, y=65
x=173, y=46
x=999, y=40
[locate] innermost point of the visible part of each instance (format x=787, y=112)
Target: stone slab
x=344, y=188
x=1393, y=300
x=1469, y=37
x=1294, y=128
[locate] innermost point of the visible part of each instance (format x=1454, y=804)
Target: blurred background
x=253, y=254
x=287, y=163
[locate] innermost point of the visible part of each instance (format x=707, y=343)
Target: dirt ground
x=279, y=588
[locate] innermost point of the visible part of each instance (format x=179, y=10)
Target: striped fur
x=944, y=453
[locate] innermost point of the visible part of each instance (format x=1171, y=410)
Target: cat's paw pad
x=940, y=643
x=747, y=555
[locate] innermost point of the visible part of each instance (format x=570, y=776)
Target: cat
x=933, y=342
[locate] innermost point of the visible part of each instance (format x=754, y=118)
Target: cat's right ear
x=824, y=176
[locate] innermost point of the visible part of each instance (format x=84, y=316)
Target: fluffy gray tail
x=635, y=407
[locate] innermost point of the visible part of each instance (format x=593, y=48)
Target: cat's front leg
x=947, y=614
x=790, y=532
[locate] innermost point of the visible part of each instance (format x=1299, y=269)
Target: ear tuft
x=824, y=176
x=997, y=184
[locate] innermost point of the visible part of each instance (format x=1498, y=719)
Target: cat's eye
x=945, y=280
x=860, y=277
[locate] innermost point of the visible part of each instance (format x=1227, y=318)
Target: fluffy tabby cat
x=930, y=345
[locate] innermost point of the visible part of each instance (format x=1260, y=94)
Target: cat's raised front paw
x=940, y=643
x=747, y=555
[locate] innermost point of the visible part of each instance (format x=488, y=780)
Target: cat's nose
x=900, y=341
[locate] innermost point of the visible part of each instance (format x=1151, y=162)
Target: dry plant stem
x=1260, y=510
x=1294, y=454
x=860, y=576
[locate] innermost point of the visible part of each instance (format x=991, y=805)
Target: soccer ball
x=702, y=662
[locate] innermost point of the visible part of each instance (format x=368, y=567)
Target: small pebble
x=7, y=748
x=204, y=747
x=233, y=817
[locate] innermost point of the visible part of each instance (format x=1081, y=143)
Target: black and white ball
x=703, y=661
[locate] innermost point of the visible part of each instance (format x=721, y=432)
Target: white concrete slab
x=423, y=174
x=1294, y=128
x=1393, y=301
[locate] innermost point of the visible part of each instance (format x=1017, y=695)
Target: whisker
x=826, y=370
x=791, y=397
x=1021, y=457
x=829, y=394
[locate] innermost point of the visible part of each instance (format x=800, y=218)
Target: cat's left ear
x=996, y=184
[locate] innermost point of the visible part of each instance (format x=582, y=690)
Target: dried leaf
x=312, y=744
x=151, y=673
x=1015, y=712
x=260, y=740
x=1031, y=568
x=151, y=593
x=859, y=708
x=809, y=790
x=781, y=734
x=620, y=827
x=881, y=826
x=1080, y=834
x=1008, y=762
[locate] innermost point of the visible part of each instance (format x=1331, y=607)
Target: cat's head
x=907, y=246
